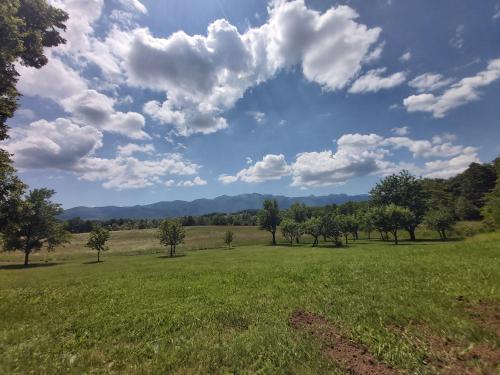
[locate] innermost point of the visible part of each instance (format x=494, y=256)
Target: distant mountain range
x=222, y=204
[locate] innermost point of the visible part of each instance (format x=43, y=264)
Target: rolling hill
x=222, y=204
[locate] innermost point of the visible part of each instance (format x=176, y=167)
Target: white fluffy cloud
x=131, y=173
x=360, y=155
x=271, y=167
x=372, y=81
x=58, y=144
x=46, y=82
x=458, y=94
x=404, y=130
x=197, y=181
x=429, y=82
x=133, y=148
x=93, y=108
x=205, y=75
x=405, y=57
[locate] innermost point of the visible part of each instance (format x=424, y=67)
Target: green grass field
x=227, y=310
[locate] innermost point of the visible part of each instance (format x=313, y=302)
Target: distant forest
x=464, y=192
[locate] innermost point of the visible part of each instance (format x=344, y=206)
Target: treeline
x=399, y=202
x=463, y=196
x=242, y=218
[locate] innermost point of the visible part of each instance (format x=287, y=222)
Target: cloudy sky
x=155, y=100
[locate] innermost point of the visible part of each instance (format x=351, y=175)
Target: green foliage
x=97, y=241
x=348, y=226
x=26, y=28
x=314, y=228
x=403, y=190
x=466, y=210
x=473, y=184
x=269, y=217
x=35, y=224
x=396, y=218
x=290, y=229
x=331, y=228
x=11, y=191
x=228, y=237
x=440, y=219
x=171, y=233
x=491, y=209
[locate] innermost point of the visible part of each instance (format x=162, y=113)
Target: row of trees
x=398, y=202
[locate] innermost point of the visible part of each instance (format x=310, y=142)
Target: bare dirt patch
x=450, y=357
x=350, y=355
x=487, y=315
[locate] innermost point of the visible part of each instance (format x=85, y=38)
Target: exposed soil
x=450, y=357
x=350, y=355
x=487, y=315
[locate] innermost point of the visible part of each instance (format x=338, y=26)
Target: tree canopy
x=35, y=224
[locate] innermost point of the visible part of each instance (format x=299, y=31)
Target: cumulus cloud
x=360, y=155
x=259, y=117
x=133, y=148
x=131, y=173
x=46, y=82
x=405, y=57
x=429, y=82
x=464, y=91
x=404, y=130
x=271, y=167
x=197, y=181
x=372, y=81
x=65, y=145
x=205, y=75
x=56, y=144
x=93, y=108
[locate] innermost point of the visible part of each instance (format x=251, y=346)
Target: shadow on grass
x=93, y=262
x=22, y=266
x=169, y=257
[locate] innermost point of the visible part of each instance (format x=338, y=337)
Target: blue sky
x=164, y=100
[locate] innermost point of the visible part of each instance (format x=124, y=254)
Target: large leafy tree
x=35, y=224
x=491, y=209
x=11, y=190
x=269, y=217
x=440, y=219
x=26, y=28
x=403, y=190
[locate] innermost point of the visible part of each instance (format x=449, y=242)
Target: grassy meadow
x=227, y=311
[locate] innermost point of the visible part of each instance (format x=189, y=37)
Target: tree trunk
x=98, y=254
x=444, y=235
x=369, y=232
x=171, y=251
x=395, y=233
x=26, y=256
x=274, y=237
x=411, y=231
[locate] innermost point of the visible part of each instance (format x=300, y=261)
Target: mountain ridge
x=202, y=206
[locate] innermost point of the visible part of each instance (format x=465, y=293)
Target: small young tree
x=290, y=229
x=269, y=217
x=35, y=224
x=313, y=227
x=171, y=233
x=97, y=241
x=397, y=218
x=440, y=220
x=228, y=237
